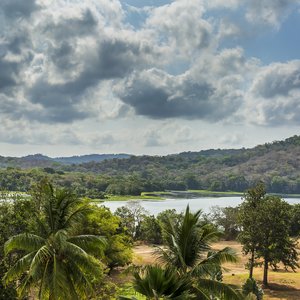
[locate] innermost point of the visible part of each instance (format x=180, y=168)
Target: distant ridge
x=78, y=159
x=40, y=160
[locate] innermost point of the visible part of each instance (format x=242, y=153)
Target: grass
x=143, y=196
x=282, y=284
x=216, y=193
x=127, y=290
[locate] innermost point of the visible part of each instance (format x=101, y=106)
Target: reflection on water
x=204, y=203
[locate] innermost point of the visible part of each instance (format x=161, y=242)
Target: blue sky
x=147, y=77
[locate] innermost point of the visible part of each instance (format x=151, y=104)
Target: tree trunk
x=251, y=264
x=266, y=265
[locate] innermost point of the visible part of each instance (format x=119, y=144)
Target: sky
x=147, y=76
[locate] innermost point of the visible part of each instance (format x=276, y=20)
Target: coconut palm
x=187, y=248
x=57, y=263
x=156, y=283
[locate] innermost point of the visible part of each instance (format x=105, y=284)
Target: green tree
x=157, y=283
x=150, y=230
x=275, y=244
x=57, y=262
x=227, y=218
x=166, y=217
x=15, y=216
x=186, y=250
x=248, y=215
x=295, y=220
x=265, y=222
x=118, y=251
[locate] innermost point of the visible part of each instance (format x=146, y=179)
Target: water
x=205, y=203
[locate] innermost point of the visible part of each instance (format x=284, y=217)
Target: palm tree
x=187, y=246
x=156, y=283
x=57, y=263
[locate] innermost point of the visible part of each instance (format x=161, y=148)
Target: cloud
x=181, y=26
x=211, y=90
x=275, y=93
x=268, y=12
x=16, y=9
x=277, y=79
x=68, y=61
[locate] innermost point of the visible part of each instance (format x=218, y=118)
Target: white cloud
x=273, y=98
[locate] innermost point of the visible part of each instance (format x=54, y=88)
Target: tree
x=15, y=216
x=248, y=214
x=265, y=222
x=227, y=219
x=157, y=283
x=131, y=217
x=274, y=244
x=150, y=230
x=57, y=262
x=295, y=220
x=186, y=251
x=118, y=251
x=169, y=216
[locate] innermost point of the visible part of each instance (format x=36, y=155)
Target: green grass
x=208, y=192
x=127, y=290
x=143, y=196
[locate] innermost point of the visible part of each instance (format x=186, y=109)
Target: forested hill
x=277, y=164
x=39, y=160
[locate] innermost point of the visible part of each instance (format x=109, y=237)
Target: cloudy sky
x=147, y=76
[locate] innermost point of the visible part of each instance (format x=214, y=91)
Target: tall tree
x=248, y=214
x=56, y=262
x=275, y=244
x=265, y=222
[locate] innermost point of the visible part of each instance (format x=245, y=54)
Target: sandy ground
x=283, y=284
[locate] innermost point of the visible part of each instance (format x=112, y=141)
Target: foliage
x=218, y=170
x=101, y=222
x=15, y=217
x=56, y=261
x=186, y=263
x=155, y=283
x=295, y=220
x=266, y=225
x=131, y=217
x=251, y=287
x=226, y=218
x=166, y=217
x=248, y=220
x=150, y=230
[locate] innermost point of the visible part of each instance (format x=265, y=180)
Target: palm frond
x=24, y=241
x=19, y=267
x=40, y=259
x=219, y=289
x=89, y=243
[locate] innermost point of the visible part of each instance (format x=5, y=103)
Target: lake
x=205, y=203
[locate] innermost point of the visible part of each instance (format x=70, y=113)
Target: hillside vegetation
x=276, y=164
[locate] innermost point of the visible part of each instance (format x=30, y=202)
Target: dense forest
x=276, y=164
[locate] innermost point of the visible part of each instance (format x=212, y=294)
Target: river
x=205, y=203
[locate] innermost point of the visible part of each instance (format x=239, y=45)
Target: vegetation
x=57, y=262
x=56, y=245
x=265, y=222
x=189, y=266
x=210, y=170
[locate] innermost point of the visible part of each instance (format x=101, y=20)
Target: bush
x=251, y=287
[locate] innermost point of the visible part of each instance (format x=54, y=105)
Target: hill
x=277, y=164
x=39, y=160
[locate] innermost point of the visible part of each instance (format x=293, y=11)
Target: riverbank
x=189, y=194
